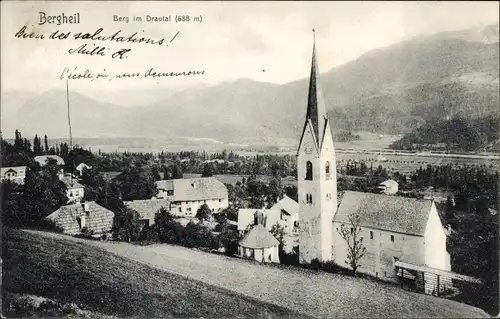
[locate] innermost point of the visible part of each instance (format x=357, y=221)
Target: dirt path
x=313, y=293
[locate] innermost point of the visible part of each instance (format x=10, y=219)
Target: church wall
x=436, y=255
x=378, y=260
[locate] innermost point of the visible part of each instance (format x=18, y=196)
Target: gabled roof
x=258, y=237
x=288, y=205
x=389, y=183
x=148, y=208
x=246, y=217
x=71, y=183
x=194, y=188
x=391, y=213
x=98, y=218
x=18, y=169
x=81, y=166
x=42, y=159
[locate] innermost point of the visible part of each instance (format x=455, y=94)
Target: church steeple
x=315, y=104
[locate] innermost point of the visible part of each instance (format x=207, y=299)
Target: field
x=72, y=272
x=198, y=283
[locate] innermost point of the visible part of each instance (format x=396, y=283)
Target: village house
x=75, y=191
x=147, y=209
x=89, y=216
x=289, y=214
x=43, y=159
x=15, y=174
x=81, y=167
x=258, y=243
x=188, y=195
x=388, y=187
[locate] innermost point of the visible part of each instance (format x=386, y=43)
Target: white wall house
x=259, y=244
x=188, y=195
x=389, y=187
x=289, y=214
x=15, y=174
x=393, y=228
x=75, y=191
x=43, y=159
x=81, y=167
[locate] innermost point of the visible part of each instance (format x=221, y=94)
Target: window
x=392, y=238
x=204, y=201
x=189, y=209
x=352, y=230
x=309, y=171
x=327, y=170
x=180, y=209
x=371, y=235
x=186, y=203
x=70, y=194
x=309, y=199
x=220, y=200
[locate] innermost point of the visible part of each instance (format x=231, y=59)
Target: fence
x=434, y=281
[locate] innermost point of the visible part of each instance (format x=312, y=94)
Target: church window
x=327, y=170
x=392, y=238
x=309, y=171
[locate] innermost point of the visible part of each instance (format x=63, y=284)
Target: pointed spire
x=315, y=104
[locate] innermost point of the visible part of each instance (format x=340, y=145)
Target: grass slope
x=98, y=281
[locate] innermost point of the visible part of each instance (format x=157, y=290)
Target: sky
x=264, y=41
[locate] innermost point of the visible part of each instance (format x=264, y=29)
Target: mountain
x=47, y=114
x=387, y=90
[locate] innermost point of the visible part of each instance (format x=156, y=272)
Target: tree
x=176, y=172
x=126, y=225
x=351, y=235
x=276, y=190
x=203, y=212
x=46, y=142
x=37, y=145
x=135, y=183
x=167, y=229
x=229, y=239
x=279, y=233
x=207, y=170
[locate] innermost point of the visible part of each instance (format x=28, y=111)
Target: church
x=393, y=228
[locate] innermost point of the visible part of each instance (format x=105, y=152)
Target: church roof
x=316, y=110
x=315, y=103
x=391, y=213
x=258, y=237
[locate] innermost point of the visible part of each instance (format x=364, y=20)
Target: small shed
x=259, y=244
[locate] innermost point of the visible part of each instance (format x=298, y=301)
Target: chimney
x=85, y=207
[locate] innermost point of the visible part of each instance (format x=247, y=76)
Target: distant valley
x=392, y=90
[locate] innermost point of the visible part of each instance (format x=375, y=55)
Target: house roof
x=71, y=183
x=147, y=208
x=392, y=213
x=81, y=166
x=18, y=169
x=42, y=159
x=246, y=217
x=287, y=205
x=389, y=183
x=258, y=237
x=194, y=188
x=98, y=218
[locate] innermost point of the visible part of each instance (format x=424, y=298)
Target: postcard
x=219, y=159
